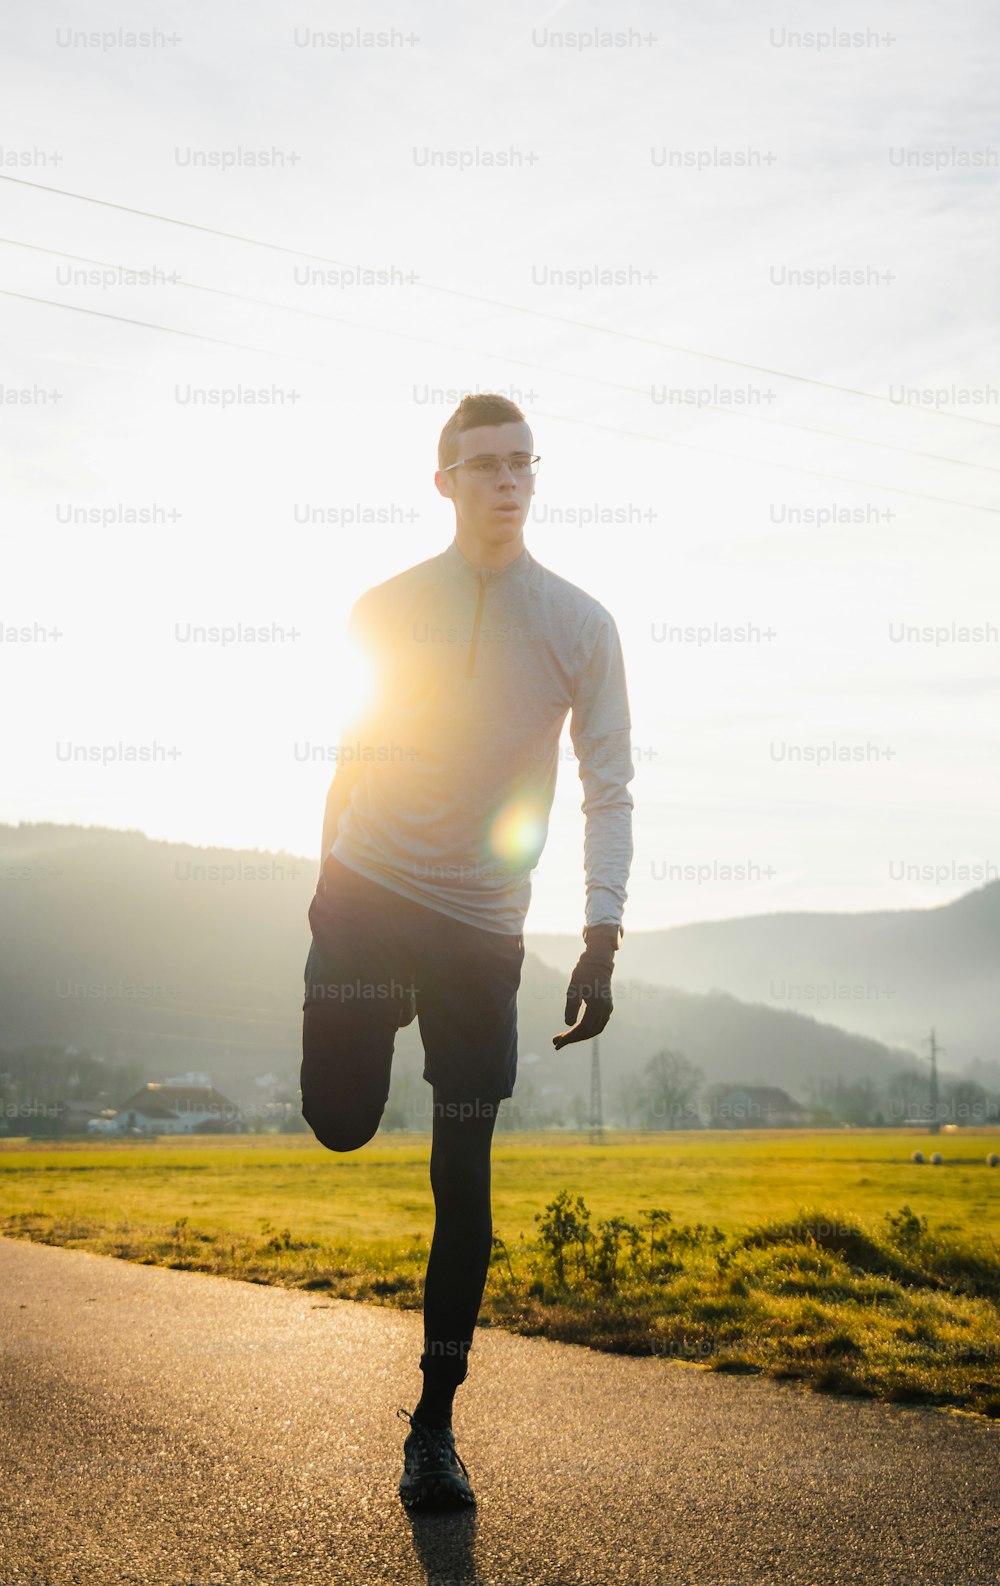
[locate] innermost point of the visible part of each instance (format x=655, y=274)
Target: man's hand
x=590, y=983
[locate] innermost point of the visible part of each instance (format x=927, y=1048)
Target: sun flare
x=518, y=832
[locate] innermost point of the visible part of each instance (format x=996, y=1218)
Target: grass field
x=824, y=1256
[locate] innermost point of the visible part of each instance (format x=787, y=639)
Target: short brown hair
x=482, y=408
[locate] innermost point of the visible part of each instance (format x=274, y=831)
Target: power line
x=525, y=363
x=171, y=330
x=761, y=462
x=662, y=440
x=490, y=302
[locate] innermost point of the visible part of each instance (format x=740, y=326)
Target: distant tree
x=670, y=1085
x=37, y=1080
x=846, y=1101
x=630, y=1098
x=528, y=1108
x=963, y=1101
x=907, y=1095
x=581, y=1112
x=820, y=1113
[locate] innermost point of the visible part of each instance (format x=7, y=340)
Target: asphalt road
x=172, y=1428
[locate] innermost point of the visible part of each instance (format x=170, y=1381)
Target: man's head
x=489, y=507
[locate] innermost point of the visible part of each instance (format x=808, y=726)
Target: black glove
x=590, y=983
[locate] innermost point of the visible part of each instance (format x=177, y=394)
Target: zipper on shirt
x=484, y=573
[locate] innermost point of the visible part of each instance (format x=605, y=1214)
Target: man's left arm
x=601, y=732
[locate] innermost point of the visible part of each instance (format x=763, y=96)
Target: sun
x=357, y=680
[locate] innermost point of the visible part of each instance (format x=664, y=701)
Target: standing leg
x=460, y=1251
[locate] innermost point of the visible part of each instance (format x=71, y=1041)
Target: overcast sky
x=485, y=160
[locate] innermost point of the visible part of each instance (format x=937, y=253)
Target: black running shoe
x=434, y=1476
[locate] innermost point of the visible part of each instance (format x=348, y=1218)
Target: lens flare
x=517, y=834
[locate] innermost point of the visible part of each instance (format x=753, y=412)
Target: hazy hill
x=890, y=975
x=114, y=941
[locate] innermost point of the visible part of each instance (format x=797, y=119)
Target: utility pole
x=935, y=1049
x=596, y=1120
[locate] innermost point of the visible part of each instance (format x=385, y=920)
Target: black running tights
x=463, y=1235
x=343, y=1105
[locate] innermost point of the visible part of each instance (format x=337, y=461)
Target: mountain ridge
x=203, y=974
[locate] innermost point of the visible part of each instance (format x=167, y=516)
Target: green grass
x=828, y=1257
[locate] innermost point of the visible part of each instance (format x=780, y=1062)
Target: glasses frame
x=479, y=456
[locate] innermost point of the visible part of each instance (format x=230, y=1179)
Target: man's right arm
x=337, y=800
x=362, y=730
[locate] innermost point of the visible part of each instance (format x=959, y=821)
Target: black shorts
x=372, y=945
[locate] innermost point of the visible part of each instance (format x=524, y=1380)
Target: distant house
x=77, y=1116
x=755, y=1107
x=173, y=1108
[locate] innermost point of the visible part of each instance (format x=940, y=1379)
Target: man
x=432, y=828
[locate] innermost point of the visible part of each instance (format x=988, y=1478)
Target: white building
x=172, y=1107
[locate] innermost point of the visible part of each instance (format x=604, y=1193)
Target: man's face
x=493, y=508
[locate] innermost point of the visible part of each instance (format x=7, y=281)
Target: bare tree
x=670, y=1085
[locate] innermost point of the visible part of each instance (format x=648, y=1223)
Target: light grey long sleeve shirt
x=455, y=765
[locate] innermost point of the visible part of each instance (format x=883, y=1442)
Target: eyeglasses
x=486, y=466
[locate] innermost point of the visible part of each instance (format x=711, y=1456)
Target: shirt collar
x=461, y=564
